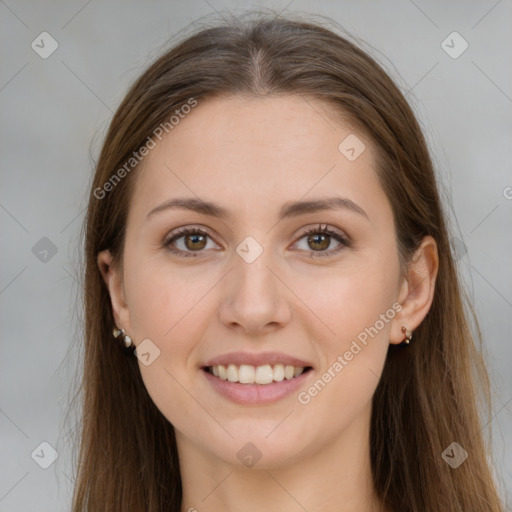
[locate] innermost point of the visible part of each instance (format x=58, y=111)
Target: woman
x=273, y=314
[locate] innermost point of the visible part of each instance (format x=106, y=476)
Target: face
x=263, y=280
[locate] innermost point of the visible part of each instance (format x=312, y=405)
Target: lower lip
x=256, y=394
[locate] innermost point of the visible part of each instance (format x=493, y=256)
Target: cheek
x=160, y=297
x=165, y=307
x=357, y=306
x=352, y=299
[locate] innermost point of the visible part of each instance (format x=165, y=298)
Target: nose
x=255, y=299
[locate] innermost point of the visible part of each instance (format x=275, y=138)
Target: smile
x=262, y=375
x=256, y=385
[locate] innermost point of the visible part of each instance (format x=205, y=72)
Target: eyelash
x=180, y=232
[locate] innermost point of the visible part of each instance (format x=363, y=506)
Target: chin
x=256, y=449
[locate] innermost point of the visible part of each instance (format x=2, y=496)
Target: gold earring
x=408, y=335
x=120, y=332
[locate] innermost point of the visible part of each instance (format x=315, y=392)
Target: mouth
x=262, y=375
x=260, y=385
x=252, y=379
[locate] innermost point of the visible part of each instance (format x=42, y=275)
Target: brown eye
x=188, y=242
x=195, y=242
x=319, y=242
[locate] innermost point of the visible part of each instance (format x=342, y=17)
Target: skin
x=251, y=156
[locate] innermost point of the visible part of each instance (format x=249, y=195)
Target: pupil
x=194, y=239
x=315, y=239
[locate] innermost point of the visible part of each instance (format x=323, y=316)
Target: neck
x=335, y=478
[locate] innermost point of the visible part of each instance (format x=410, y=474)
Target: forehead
x=248, y=151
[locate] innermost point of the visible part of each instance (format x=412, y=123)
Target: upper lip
x=257, y=359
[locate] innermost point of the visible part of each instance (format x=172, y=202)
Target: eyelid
x=324, y=228
x=181, y=230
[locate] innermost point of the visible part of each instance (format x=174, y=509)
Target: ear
x=416, y=290
x=113, y=277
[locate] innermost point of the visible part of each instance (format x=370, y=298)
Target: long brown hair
x=430, y=391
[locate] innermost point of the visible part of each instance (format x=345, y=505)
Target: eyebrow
x=290, y=209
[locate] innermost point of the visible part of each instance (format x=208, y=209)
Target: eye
x=188, y=242
x=191, y=241
x=319, y=238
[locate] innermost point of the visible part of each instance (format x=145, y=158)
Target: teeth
x=247, y=374
x=232, y=373
x=278, y=372
x=264, y=374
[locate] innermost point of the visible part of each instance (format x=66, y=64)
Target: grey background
x=55, y=112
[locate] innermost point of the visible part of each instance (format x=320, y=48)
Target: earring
x=408, y=335
x=121, y=332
